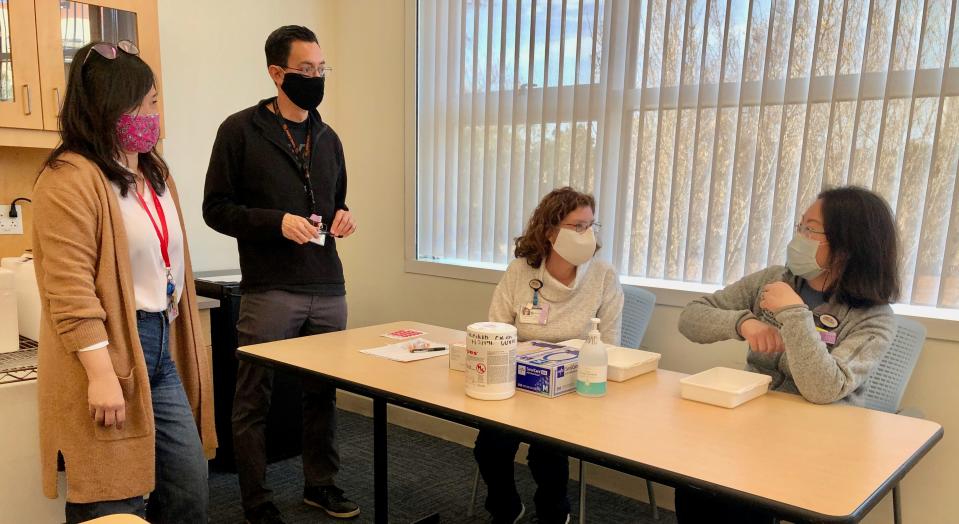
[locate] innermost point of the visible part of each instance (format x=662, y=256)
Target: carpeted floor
x=427, y=475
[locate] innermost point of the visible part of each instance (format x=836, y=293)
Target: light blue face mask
x=801, y=257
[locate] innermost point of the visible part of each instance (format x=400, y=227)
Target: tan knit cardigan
x=86, y=289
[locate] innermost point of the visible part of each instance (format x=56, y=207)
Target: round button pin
x=829, y=321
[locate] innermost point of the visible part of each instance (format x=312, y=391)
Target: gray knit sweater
x=596, y=292
x=820, y=372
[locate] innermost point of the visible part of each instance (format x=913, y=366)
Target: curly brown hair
x=533, y=244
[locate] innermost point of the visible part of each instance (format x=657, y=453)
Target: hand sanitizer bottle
x=593, y=362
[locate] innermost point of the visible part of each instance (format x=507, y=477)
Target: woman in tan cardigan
x=125, y=389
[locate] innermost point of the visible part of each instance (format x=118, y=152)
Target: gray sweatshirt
x=822, y=373
x=596, y=292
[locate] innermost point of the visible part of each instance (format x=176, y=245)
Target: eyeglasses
x=309, y=70
x=581, y=227
x=806, y=231
x=109, y=51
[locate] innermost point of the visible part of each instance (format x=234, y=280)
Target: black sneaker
x=331, y=500
x=265, y=513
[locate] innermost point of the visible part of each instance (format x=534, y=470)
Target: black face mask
x=304, y=91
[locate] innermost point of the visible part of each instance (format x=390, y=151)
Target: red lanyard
x=164, y=236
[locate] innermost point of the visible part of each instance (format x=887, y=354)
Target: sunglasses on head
x=109, y=51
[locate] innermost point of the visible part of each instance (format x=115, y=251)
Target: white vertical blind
x=703, y=127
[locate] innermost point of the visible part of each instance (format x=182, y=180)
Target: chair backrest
x=886, y=385
x=638, y=305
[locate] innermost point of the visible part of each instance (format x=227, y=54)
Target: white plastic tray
x=624, y=363
x=724, y=387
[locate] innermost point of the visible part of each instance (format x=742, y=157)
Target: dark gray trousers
x=266, y=317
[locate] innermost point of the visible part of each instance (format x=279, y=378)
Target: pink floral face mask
x=138, y=132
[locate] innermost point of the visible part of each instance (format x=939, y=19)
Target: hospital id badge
x=172, y=311
x=828, y=337
x=317, y=222
x=530, y=314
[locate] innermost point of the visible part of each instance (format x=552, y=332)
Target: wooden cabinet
x=19, y=75
x=206, y=328
x=36, y=53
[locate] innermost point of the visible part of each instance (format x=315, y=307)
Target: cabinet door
x=20, y=104
x=64, y=26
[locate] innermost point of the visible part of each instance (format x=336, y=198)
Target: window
x=704, y=127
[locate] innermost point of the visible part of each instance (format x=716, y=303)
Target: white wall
x=208, y=77
x=213, y=66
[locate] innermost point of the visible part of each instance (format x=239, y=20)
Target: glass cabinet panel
x=6, y=55
x=82, y=23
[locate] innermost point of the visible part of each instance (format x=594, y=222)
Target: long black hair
x=863, y=247
x=99, y=91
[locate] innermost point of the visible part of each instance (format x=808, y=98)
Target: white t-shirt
x=146, y=258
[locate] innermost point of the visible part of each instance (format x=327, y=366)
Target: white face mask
x=575, y=248
x=801, y=257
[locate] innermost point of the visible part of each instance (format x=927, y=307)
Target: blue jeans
x=182, y=493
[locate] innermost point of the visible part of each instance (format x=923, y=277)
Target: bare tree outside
x=729, y=116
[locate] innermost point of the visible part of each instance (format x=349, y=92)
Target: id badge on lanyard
x=172, y=311
x=535, y=312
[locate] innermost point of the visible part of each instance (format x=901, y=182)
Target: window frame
x=941, y=323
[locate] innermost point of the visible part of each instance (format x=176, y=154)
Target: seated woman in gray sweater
x=819, y=326
x=550, y=292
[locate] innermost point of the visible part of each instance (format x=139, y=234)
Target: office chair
x=886, y=386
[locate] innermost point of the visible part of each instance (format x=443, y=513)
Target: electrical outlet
x=11, y=226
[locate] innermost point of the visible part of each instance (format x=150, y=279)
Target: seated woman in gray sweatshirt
x=550, y=292
x=819, y=326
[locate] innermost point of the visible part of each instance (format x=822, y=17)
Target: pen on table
x=426, y=350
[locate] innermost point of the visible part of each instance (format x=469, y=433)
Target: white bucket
x=9, y=341
x=28, y=295
x=490, y=360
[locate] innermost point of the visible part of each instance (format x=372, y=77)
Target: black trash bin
x=285, y=421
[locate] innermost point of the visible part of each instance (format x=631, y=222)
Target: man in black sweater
x=277, y=183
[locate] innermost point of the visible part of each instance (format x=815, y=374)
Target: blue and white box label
x=549, y=372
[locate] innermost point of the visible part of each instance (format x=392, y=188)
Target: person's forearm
x=704, y=324
x=819, y=377
x=97, y=363
x=240, y=222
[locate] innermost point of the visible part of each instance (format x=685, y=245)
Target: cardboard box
x=550, y=371
x=458, y=356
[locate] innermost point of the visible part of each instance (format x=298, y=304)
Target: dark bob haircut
x=863, y=247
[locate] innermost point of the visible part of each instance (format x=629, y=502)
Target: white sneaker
x=522, y=511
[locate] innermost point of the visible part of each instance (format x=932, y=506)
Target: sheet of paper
x=400, y=352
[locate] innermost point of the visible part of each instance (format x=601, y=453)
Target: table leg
x=381, y=500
